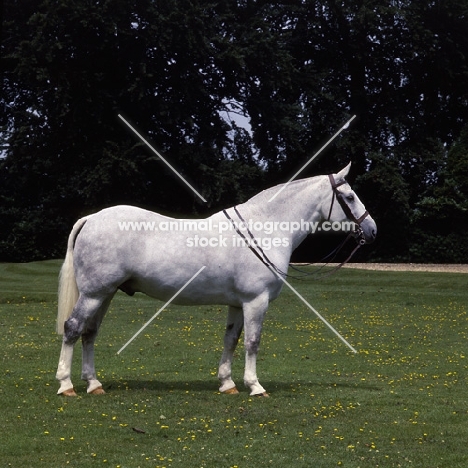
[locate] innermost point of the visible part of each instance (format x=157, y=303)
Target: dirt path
x=442, y=268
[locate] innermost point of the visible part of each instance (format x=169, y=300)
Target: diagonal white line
x=161, y=309
x=312, y=158
x=315, y=312
x=159, y=155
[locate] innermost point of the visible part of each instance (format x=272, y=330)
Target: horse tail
x=68, y=290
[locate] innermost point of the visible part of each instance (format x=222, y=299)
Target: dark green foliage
x=180, y=70
x=441, y=216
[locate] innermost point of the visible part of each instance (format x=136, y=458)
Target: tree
x=76, y=66
x=440, y=221
x=295, y=70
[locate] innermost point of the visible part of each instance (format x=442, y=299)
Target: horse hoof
x=69, y=393
x=97, y=391
x=264, y=395
x=231, y=391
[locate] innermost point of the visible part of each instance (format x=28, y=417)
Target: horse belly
x=200, y=291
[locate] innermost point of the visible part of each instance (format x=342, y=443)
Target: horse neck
x=301, y=200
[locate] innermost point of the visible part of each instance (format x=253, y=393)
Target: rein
x=358, y=235
x=263, y=257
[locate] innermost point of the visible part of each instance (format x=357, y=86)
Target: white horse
x=106, y=252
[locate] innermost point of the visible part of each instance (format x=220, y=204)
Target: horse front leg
x=235, y=323
x=254, y=313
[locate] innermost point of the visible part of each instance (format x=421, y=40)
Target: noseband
x=358, y=233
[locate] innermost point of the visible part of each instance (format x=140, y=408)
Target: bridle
x=358, y=233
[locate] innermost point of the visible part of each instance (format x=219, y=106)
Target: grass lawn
x=400, y=402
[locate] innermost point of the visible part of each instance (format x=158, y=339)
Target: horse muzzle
x=366, y=231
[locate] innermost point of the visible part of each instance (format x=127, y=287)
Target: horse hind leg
x=88, y=338
x=86, y=312
x=88, y=373
x=235, y=324
x=64, y=369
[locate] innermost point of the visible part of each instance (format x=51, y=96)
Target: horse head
x=348, y=208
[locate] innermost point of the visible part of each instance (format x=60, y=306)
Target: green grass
x=400, y=402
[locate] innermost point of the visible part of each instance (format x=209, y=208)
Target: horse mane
x=266, y=194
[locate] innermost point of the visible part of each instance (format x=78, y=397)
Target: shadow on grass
x=211, y=386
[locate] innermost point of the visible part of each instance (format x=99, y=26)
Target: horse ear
x=344, y=172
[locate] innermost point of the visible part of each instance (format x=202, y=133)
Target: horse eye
x=350, y=198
